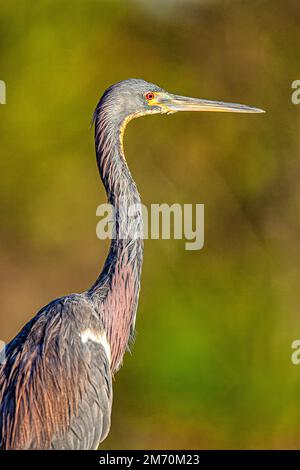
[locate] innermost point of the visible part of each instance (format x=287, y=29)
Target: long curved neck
x=117, y=288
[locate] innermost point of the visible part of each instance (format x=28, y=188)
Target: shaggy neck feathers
x=117, y=288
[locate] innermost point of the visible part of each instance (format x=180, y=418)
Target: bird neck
x=117, y=288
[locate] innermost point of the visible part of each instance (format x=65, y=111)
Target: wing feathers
x=55, y=391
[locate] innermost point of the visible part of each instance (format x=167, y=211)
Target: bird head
x=135, y=97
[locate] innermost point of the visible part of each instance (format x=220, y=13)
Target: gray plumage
x=56, y=380
x=55, y=390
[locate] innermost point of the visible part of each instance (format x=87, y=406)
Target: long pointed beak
x=176, y=103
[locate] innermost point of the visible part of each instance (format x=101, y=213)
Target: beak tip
x=250, y=109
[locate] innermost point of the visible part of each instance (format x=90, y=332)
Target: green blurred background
x=211, y=365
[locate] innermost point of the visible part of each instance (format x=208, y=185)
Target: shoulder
x=61, y=316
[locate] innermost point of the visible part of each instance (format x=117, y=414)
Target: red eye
x=149, y=96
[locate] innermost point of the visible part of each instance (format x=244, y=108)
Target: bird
x=56, y=375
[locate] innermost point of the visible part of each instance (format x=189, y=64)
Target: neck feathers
x=117, y=288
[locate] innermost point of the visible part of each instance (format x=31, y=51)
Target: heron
x=56, y=376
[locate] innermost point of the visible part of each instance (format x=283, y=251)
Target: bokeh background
x=211, y=366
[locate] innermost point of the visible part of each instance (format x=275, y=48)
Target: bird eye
x=149, y=96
